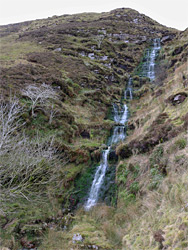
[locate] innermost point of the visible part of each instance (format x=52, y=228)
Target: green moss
x=83, y=183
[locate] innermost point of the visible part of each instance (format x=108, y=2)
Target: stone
x=57, y=50
x=95, y=247
x=177, y=98
x=77, y=238
x=167, y=38
x=91, y=56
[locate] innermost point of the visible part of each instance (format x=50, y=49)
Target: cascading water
x=128, y=91
x=119, y=134
x=119, y=130
x=98, y=180
x=148, y=68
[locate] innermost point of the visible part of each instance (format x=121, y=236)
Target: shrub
x=181, y=143
x=156, y=155
x=156, y=178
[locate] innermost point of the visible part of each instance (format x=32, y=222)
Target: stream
x=120, y=116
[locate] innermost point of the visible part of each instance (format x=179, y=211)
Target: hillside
x=59, y=80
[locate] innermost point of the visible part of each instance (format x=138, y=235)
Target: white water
x=119, y=131
x=149, y=65
x=98, y=180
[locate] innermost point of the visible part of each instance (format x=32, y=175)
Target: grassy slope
x=151, y=211
x=87, y=89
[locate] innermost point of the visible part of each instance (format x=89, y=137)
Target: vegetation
x=65, y=72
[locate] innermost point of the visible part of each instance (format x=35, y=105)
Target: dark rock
x=158, y=236
x=173, y=61
x=131, y=125
x=177, y=51
x=166, y=38
x=85, y=134
x=158, y=92
x=27, y=244
x=96, y=155
x=124, y=151
x=113, y=156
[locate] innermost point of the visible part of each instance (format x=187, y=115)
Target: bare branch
x=9, y=122
x=39, y=95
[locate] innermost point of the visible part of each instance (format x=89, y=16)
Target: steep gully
x=119, y=130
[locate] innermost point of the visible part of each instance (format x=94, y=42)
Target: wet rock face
x=177, y=98
x=113, y=156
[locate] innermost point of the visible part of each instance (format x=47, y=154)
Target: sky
x=172, y=13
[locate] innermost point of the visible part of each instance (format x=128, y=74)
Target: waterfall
x=119, y=130
x=128, y=91
x=98, y=180
x=148, y=68
x=119, y=134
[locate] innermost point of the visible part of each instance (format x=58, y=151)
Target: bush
x=181, y=143
x=156, y=179
x=156, y=155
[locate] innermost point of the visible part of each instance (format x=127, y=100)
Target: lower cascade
x=98, y=180
x=119, y=131
x=119, y=134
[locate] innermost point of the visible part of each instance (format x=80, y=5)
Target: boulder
x=77, y=238
x=166, y=38
x=177, y=98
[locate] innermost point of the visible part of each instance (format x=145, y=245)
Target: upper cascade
x=149, y=64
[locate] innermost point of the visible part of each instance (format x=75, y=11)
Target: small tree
x=27, y=165
x=99, y=39
x=39, y=95
x=9, y=122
